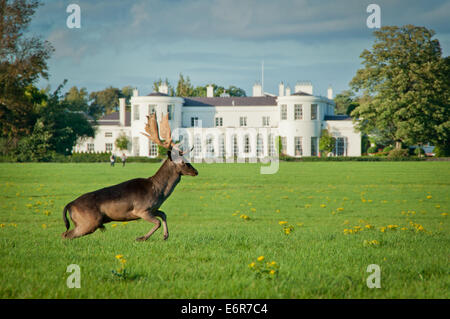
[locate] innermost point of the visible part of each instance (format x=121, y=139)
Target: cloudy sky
x=221, y=41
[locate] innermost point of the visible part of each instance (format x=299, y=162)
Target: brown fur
x=130, y=200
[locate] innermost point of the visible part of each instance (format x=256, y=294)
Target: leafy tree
x=184, y=86
x=35, y=147
x=346, y=102
x=77, y=99
x=235, y=91
x=66, y=125
x=22, y=61
x=326, y=142
x=408, y=83
x=105, y=101
x=127, y=93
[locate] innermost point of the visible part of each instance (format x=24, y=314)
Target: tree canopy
x=406, y=83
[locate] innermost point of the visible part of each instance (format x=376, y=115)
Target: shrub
x=398, y=154
x=387, y=149
x=441, y=151
x=419, y=151
x=372, y=149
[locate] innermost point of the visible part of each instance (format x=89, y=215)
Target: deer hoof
x=166, y=236
x=141, y=238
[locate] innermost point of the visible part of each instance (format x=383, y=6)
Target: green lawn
x=211, y=246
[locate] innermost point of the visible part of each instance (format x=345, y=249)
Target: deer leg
x=152, y=219
x=163, y=216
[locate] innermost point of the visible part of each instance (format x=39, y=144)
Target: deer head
x=175, y=154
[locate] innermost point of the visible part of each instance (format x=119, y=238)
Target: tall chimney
x=281, y=89
x=330, y=93
x=135, y=92
x=163, y=88
x=257, y=89
x=210, y=91
x=122, y=111
x=288, y=91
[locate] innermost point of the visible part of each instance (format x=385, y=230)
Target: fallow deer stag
x=136, y=198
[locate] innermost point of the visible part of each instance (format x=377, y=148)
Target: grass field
x=344, y=217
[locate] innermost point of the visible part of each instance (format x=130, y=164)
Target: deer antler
x=164, y=130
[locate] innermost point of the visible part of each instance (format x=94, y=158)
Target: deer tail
x=66, y=221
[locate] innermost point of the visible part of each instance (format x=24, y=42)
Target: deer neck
x=166, y=178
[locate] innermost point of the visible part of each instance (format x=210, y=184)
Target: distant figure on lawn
x=112, y=159
x=124, y=158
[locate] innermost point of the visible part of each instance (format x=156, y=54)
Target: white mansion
x=229, y=127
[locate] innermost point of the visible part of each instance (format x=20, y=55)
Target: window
x=151, y=109
x=136, y=112
x=259, y=145
x=283, y=144
x=266, y=120
x=197, y=146
x=170, y=109
x=341, y=146
x=210, y=146
x=108, y=134
x=136, y=146
x=246, y=144
x=298, y=147
x=243, y=121
x=90, y=147
x=270, y=145
x=313, y=146
x=108, y=147
x=298, y=112
x=313, y=111
x=152, y=149
x=222, y=145
x=219, y=121
x=194, y=121
x=283, y=114
x=235, y=146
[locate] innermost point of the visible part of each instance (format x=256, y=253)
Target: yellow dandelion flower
x=272, y=272
x=120, y=256
x=282, y=222
x=368, y=226
x=369, y=200
x=253, y=209
x=323, y=205
x=340, y=209
x=273, y=263
x=44, y=226
x=114, y=225
x=252, y=265
x=444, y=214
x=2, y=225
x=277, y=211
x=438, y=206
x=260, y=258
x=234, y=214
x=429, y=197
x=383, y=229
x=300, y=224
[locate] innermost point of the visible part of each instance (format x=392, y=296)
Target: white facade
x=229, y=127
